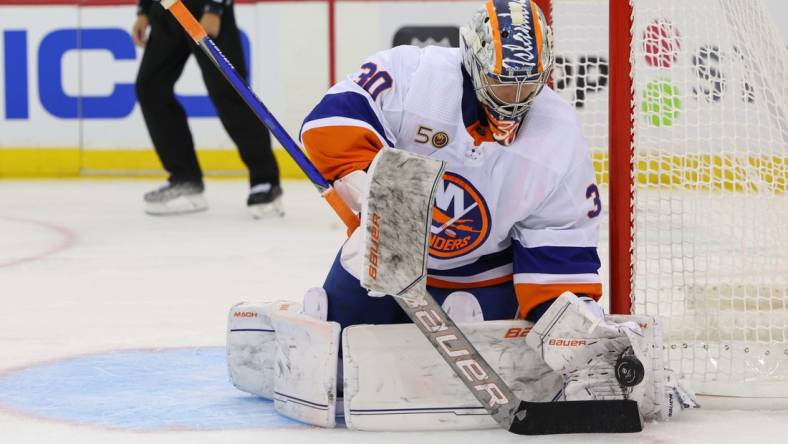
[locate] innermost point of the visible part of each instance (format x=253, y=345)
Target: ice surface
x=84, y=274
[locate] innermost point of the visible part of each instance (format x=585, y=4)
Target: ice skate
x=176, y=198
x=265, y=201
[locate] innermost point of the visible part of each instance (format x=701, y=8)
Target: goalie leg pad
x=305, y=379
x=251, y=345
x=395, y=381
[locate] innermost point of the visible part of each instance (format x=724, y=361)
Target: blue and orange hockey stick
x=200, y=37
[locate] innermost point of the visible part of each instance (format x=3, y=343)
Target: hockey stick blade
x=398, y=219
x=550, y=418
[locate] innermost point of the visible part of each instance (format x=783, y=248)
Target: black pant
x=165, y=55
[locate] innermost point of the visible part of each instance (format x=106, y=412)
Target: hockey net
x=701, y=233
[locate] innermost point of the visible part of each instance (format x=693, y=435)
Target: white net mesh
x=711, y=205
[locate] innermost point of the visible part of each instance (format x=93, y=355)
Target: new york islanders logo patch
x=460, y=218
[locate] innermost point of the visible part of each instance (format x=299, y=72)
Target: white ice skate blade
x=267, y=211
x=180, y=205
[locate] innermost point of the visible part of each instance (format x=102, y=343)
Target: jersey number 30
x=374, y=81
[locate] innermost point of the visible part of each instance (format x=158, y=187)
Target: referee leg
x=249, y=134
x=162, y=64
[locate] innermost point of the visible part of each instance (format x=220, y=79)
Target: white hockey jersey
x=526, y=213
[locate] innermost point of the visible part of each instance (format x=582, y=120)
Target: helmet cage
x=527, y=87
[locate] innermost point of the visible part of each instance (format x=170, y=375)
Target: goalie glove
x=597, y=360
x=663, y=396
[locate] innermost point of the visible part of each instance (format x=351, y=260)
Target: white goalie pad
x=251, y=345
x=395, y=380
x=305, y=379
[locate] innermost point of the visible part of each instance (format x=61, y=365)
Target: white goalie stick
x=398, y=216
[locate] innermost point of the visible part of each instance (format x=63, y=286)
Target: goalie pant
x=349, y=304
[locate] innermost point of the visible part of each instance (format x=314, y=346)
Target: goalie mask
x=507, y=50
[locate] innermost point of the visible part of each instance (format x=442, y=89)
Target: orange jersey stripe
x=538, y=32
x=339, y=150
x=531, y=295
x=440, y=283
x=496, y=37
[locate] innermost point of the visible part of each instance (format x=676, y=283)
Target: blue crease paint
x=140, y=390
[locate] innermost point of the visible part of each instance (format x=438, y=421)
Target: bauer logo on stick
x=374, y=245
x=449, y=340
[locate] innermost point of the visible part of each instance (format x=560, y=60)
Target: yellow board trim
x=40, y=162
x=704, y=172
x=73, y=162
x=701, y=172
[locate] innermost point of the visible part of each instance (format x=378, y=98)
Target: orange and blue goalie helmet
x=507, y=51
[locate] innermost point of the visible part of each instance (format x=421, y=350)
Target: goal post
x=684, y=105
x=620, y=156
